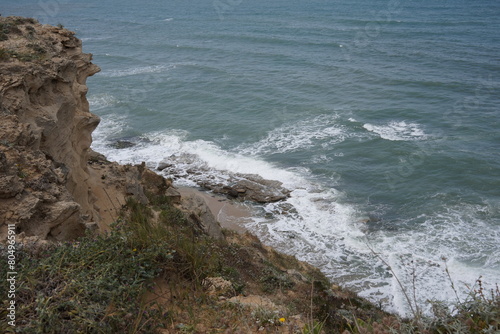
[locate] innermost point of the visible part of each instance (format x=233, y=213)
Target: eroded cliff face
x=52, y=185
x=45, y=131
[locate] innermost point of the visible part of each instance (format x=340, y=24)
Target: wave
x=317, y=223
x=87, y=39
x=321, y=130
x=137, y=70
x=439, y=241
x=397, y=131
x=100, y=101
x=110, y=127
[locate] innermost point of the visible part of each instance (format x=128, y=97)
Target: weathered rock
x=3, y=163
x=251, y=187
x=45, y=132
x=218, y=286
x=136, y=190
x=163, y=165
x=173, y=195
x=10, y=186
x=96, y=158
x=201, y=215
x=154, y=183
x=121, y=144
x=52, y=185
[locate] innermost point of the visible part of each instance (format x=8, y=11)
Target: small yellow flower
x=282, y=320
x=134, y=250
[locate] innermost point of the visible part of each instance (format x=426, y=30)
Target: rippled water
x=382, y=118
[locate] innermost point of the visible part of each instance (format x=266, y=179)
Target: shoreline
x=55, y=189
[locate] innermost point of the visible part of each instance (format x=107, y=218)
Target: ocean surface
x=382, y=117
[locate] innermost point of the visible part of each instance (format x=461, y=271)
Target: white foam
x=110, y=126
x=322, y=158
x=397, y=131
x=323, y=130
x=86, y=39
x=137, y=70
x=197, y=154
x=325, y=231
x=100, y=101
x=442, y=239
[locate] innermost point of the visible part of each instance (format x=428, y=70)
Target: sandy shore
x=230, y=214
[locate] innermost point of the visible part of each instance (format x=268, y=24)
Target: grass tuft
x=93, y=285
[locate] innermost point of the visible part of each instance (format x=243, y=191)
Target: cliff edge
x=45, y=130
x=52, y=185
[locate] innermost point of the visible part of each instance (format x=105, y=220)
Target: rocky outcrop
x=243, y=187
x=45, y=130
x=52, y=185
x=251, y=187
x=201, y=216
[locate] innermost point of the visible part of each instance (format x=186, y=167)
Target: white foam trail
x=316, y=225
x=136, y=70
x=397, y=131
x=86, y=39
x=443, y=238
x=100, y=101
x=110, y=126
x=203, y=155
x=320, y=130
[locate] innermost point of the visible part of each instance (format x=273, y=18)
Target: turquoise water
x=381, y=116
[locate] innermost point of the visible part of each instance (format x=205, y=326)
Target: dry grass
x=148, y=274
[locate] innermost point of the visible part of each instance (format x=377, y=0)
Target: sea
x=380, y=116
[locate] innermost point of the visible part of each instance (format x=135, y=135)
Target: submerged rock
x=243, y=187
x=121, y=144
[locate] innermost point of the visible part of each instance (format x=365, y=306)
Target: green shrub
x=272, y=280
x=37, y=48
x=91, y=286
x=478, y=313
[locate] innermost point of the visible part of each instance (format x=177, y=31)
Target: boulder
x=200, y=214
x=251, y=187
x=218, y=286
x=173, y=195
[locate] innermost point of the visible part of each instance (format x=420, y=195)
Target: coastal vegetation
x=154, y=273
x=16, y=29
x=155, y=270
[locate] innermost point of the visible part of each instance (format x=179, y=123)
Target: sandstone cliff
x=45, y=130
x=52, y=185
